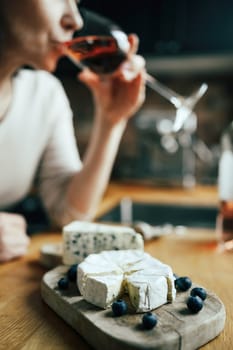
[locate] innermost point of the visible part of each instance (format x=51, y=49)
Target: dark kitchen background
x=184, y=43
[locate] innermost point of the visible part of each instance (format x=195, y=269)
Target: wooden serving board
x=177, y=327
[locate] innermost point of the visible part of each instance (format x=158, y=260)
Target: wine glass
x=103, y=54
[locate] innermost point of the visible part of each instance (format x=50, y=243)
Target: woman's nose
x=72, y=20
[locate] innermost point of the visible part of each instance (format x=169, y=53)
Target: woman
x=36, y=132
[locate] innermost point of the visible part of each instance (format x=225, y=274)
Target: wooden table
x=27, y=323
x=199, y=195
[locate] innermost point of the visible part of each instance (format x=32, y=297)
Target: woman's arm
x=71, y=189
x=116, y=99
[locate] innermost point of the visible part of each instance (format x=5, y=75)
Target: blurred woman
x=37, y=141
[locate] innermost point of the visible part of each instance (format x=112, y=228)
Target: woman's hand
x=118, y=96
x=13, y=238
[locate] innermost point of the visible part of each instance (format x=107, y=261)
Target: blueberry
x=63, y=283
x=149, y=320
x=195, y=304
x=200, y=292
x=72, y=273
x=183, y=283
x=119, y=307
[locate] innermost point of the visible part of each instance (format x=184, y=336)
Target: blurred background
x=185, y=43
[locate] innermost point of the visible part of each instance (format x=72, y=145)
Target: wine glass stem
x=164, y=91
x=152, y=83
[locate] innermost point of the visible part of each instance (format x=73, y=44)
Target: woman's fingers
x=132, y=67
x=7, y=219
x=12, y=253
x=89, y=78
x=134, y=43
x=13, y=237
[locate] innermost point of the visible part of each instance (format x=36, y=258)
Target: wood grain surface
x=177, y=327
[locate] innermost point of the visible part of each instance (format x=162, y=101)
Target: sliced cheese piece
x=83, y=238
x=155, y=270
x=156, y=267
x=147, y=293
x=103, y=290
x=103, y=277
x=95, y=265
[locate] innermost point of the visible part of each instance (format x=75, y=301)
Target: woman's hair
x=1, y=30
x=1, y=39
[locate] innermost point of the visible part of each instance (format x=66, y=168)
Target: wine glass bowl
x=101, y=54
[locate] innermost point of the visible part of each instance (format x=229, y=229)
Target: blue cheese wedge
x=104, y=277
x=83, y=238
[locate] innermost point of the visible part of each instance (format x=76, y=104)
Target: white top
x=37, y=141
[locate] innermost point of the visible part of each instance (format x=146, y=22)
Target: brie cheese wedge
x=102, y=290
x=105, y=277
x=147, y=293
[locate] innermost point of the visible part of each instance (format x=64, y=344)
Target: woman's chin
x=49, y=64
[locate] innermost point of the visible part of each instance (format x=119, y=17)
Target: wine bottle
x=224, y=226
